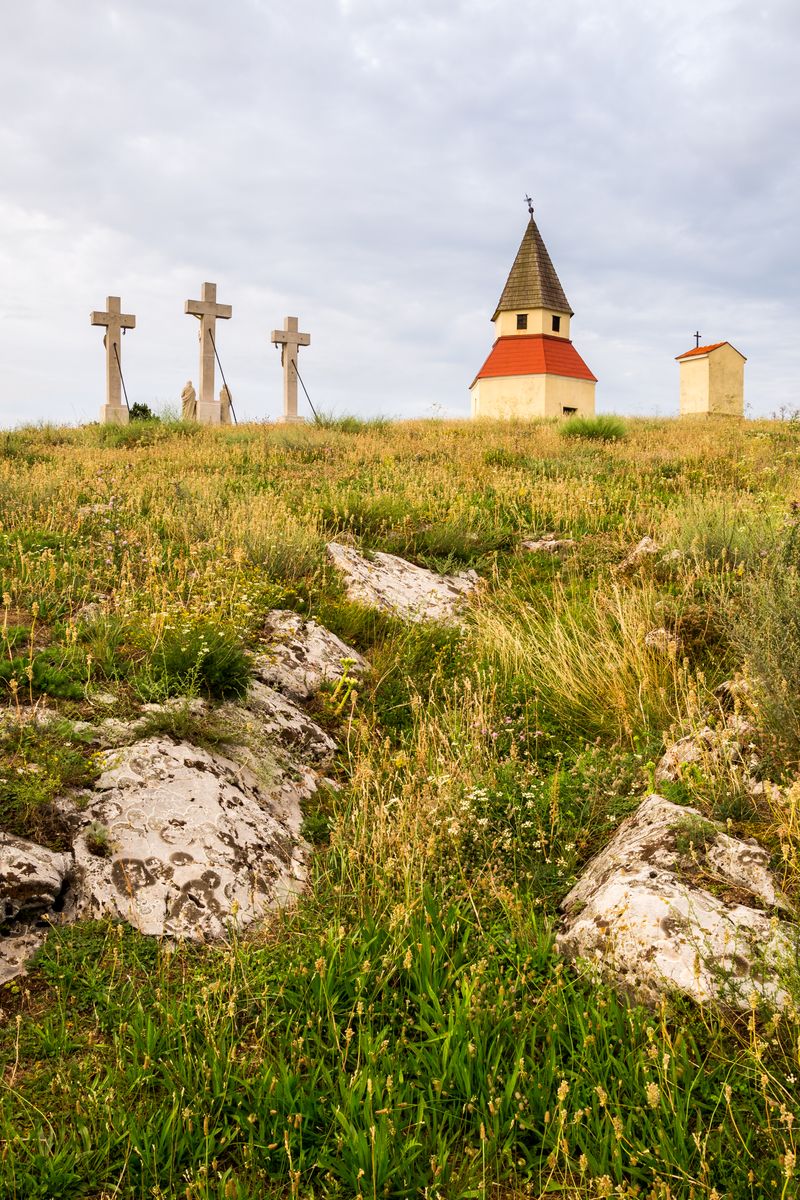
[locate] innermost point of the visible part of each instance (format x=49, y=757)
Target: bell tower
x=533, y=369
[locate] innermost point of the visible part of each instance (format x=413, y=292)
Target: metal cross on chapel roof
x=696, y=336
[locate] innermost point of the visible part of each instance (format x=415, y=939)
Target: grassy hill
x=407, y=1030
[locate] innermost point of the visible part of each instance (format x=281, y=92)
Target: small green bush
x=141, y=412
x=195, y=660
x=98, y=839
x=603, y=428
x=55, y=671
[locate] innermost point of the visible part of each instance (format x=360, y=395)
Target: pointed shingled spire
x=532, y=282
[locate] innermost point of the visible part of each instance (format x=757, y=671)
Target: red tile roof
x=534, y=354
x=707, y=350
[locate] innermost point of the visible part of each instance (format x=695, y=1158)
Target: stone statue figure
x=224, y=406
x=189, y=402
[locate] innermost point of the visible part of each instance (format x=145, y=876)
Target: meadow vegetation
x=406, y=1030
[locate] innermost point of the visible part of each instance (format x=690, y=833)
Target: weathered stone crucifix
x=114, y=411
x=289, y=341
x=207, y=309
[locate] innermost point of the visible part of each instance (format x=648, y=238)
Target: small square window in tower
x=556, y=324
x=522, y=320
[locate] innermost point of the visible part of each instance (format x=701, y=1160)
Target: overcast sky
x=362, y=164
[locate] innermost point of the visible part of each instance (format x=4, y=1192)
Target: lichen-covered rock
x=17, y=948
x=642, y=552
x=390, y=583
x=194, y=843
x=643, y=916
x=32, y=881
x=727, y=745
x=275, y=717
x=303, y=655
x=31, y=878
x=549, y=544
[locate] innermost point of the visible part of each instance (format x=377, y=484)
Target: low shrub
x=603, y=428
x=194, y=660
x=141, y=412
x=55, y=671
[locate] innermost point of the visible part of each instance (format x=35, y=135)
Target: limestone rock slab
x=17, y=949
x=642, y=552
x=642, y=916
x=303, y=655
x=279, y=719
x=549, y=544
x=31, y=878
x=197, y=845
x=729, y=744
x=399, y=587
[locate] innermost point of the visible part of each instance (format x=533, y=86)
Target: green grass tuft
x=602, y=428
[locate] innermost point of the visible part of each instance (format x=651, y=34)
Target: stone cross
x=114, y=411
x=289, y=341
x=207, y=309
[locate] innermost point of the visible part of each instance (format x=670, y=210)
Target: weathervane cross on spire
x=529, y=203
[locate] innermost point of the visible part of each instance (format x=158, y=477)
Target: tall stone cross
x=207, y=309
x=114, y=412
x=289, y=341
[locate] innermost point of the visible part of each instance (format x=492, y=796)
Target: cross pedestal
x=289, y=341
x=207, y=309
x=114, y=412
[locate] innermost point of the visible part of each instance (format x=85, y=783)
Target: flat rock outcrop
x=32, y=880
x=303, y=655
x=195, y=845
x=183, y=840
x=399, y=587
x=31, y=877
x=673, y=904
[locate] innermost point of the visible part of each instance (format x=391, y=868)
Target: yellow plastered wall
x=713, y=384
x=530, y=396
x=540, y=320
